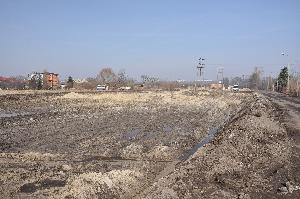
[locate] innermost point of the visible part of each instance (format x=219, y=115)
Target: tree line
x=286, y=81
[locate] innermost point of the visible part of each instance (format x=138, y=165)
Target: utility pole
x=220, y=74
x=200, y=67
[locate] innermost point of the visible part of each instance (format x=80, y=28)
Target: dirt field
x=144, y=145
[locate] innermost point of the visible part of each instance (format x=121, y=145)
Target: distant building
x=11, y=83
x=216, y=86
x=7, y=79
x=79, y=81
x=44, y=80
x=52, y=80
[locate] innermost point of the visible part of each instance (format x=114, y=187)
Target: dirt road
x=291, y=120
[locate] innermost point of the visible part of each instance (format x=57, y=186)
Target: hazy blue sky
x=156, y=37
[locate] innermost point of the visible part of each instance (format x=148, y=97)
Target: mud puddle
x=118, y=158
x=44, y=184
x=210, y=136
x=186, y=155
x=10, y=115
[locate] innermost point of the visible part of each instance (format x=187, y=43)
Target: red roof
x=7, y=79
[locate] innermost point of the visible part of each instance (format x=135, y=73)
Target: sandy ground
x=131, y=145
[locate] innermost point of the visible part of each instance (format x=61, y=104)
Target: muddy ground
x=144, y=145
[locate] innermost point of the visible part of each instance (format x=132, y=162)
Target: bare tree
x=236, y=80
x=226, y=82
x=295, y=84
x=106, y=75
x=45, y=84
x=122, y=78
x=255, y=79
x=149, y=81
x=90, y=84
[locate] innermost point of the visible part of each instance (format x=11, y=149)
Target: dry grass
x=116, y=183
x=178, y=98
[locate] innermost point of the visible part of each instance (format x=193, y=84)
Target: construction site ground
x=156, y=144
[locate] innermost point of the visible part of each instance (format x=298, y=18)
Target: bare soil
x=130, y=145
x=253, y=157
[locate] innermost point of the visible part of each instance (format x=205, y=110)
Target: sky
x=159, y=38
